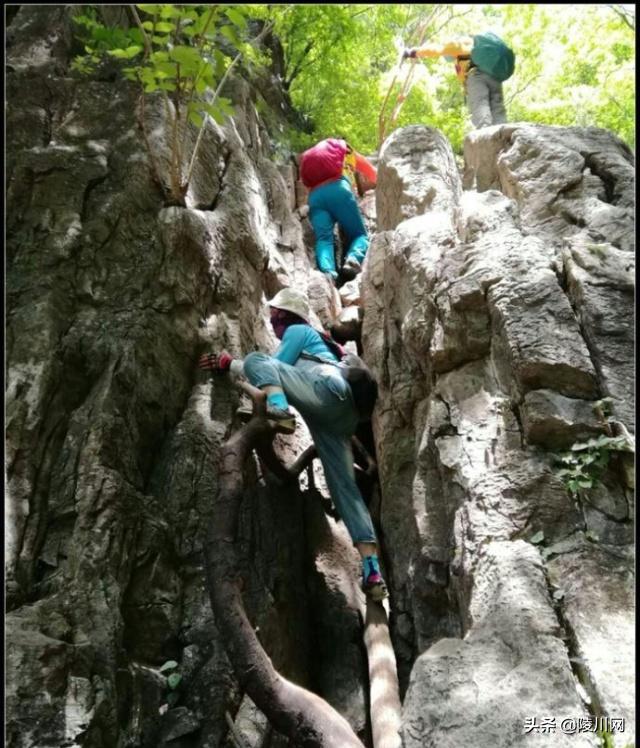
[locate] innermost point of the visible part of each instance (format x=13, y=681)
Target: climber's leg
x=496, y=102
x=323, y=223
x=337, y=461
x=346, y=211
x=478, y=98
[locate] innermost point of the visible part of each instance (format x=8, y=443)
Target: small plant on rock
x=584, y=464
x=173, y=678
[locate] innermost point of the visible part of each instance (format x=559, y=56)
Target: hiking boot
x=283, y=420
x=351, y=268
x=373, y=584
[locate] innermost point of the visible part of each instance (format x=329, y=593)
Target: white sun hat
x=293, y=301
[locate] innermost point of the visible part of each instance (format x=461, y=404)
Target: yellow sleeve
x=448, y=49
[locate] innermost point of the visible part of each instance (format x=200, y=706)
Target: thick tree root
x=383, y=678
x=302, y=716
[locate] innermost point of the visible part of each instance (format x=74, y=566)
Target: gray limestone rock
x=510, y=669
x=555, y=421
x=597, y=604
x=477, y=324
x=417, y=169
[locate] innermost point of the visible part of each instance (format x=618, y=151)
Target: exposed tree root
x=305, y=718
x=383, y=679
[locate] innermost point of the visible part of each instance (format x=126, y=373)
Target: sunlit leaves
x=181, y=51
x=574, y=65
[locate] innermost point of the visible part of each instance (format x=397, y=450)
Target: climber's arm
x=454, y=48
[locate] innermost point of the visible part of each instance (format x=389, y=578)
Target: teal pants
x=324, y=400
x=335, y=203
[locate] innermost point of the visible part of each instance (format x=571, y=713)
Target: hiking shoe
x=373, y=584
x=351, y=268
x=283, y=420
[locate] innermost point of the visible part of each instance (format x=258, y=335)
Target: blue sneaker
x=373, y=584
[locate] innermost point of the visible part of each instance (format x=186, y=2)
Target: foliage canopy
x=575, y=65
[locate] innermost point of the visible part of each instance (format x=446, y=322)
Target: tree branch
x=223, y=80
x=522, y=88
x=297, y=67
x=624, y=15
x=145, y=38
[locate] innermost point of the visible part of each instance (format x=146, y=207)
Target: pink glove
x=218, y=362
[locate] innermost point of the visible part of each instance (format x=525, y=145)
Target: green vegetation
x=338, y=64
x=173, y=680
x=575, y=65
x=583, y=465
x=176, y=50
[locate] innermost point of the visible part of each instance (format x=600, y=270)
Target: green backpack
x=491, y=55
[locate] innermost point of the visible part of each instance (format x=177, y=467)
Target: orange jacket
x=458, y=48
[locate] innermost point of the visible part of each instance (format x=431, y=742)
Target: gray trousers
x=484, y=99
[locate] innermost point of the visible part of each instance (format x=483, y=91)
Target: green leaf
x=170, y=11
x=172, y=698
x=185, y=55
x=119, y=54
x=236, y=16
x=153, y=10
x=173, y=680
x=196, y=118
x=165, y=70
x=168, y=665
x=225, y=106
x=201, y=85
x=231, y=34
x=163, y=27
x=147, y=25
x=133, y=51
x=537, y=538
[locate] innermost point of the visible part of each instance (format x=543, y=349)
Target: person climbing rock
x=324, y=399
x=482, y=63
x=329, y=170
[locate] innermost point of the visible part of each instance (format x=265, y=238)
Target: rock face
x=495, y=318
x=113, y=434
x=492, y=320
